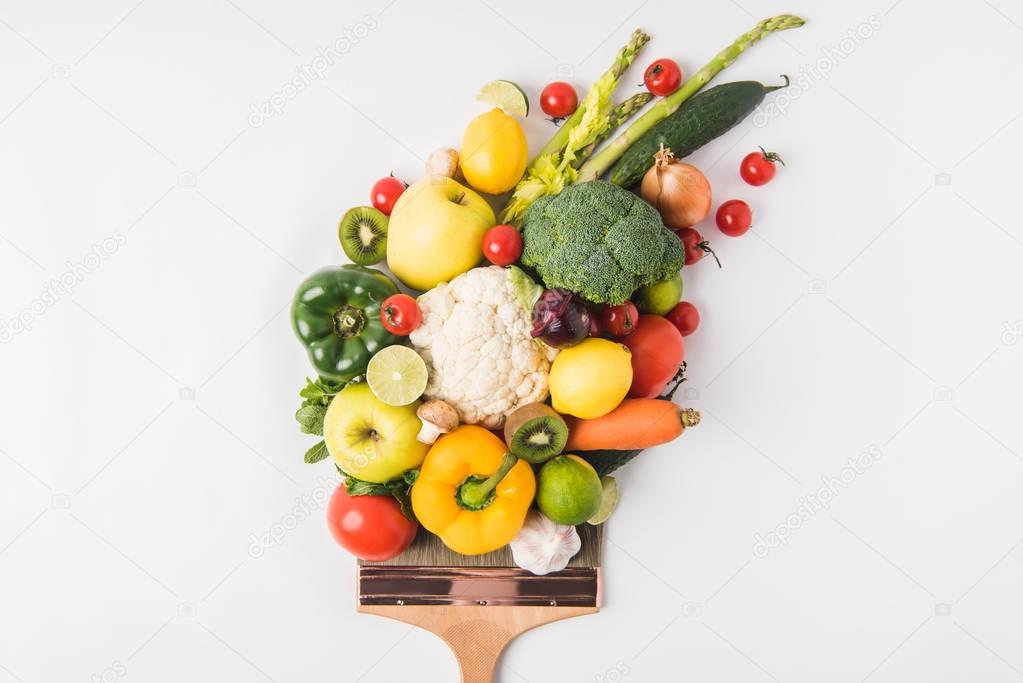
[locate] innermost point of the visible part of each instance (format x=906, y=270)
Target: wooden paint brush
x=478, y=604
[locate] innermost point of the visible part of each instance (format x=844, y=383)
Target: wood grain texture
x=428, y=551
x=476, y=635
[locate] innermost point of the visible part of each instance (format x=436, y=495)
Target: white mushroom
x=438, y=418
x=442, y=162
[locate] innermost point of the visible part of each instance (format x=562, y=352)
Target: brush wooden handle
x=476, y=635
x=477, y=646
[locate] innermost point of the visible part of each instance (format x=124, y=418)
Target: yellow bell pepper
x=471, y=492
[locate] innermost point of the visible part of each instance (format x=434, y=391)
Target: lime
x=659, y=297
x=506, y=95
x=397, y=375
x=568, y=490
x=608, y=500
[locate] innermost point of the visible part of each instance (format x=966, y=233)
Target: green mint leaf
x=405, y=501
x=328, y=387
x=358, y=487
x=410, y=476
x=316, y=453
x=310, y=419
x=311, y=392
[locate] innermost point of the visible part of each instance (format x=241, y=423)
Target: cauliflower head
x=599, y=241
x=475, y=340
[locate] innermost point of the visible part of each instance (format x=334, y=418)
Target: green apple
x=436, y=232
x=369, y=439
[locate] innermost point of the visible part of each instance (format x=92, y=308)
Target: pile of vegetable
x=487, y=387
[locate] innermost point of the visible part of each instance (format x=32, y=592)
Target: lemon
x=506, y=95
x=397, y=375
x=494, y=152
x=590, y=379
x=608, y=500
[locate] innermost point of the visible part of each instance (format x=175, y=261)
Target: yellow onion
x=679, y=191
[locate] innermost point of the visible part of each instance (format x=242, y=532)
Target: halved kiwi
x=535, y=433
x=363, y=235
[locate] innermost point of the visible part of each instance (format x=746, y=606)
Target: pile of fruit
x=542, y=344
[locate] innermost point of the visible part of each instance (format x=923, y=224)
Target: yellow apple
x=369, y=439
x=436, y=232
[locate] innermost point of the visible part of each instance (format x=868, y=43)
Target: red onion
x=559, y=319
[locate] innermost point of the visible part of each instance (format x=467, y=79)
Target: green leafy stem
x=316, y=397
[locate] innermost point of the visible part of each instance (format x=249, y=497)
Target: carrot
x=635, y=423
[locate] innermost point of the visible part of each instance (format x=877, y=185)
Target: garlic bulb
x=544, y=546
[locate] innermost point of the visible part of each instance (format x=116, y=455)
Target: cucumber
x=607, y=461
x=706, y=116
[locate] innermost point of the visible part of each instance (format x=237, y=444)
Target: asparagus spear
x=623, y=60
x=552, y=169
x=619, y=115
x=601, y=162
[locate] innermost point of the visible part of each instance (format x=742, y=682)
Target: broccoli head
x=600, y=241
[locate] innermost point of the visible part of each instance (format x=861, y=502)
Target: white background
x=147, y=434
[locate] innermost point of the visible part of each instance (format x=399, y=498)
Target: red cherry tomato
x=369, y=527
x=657, y=352
x=685, y=317
x=734, y=217
x=662, y=77
x=385, y=193
x=502, y=245
x=400, y=314
x=619, y=321
x=558, y=100
x=758, y=168
x=695, y=246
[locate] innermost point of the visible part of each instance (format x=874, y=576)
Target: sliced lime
x=397, y=375
x=506, y=95
x=608, y=500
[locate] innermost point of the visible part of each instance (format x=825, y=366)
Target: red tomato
x=502, y=245
x=685, y=317
x=385, y=193
x=369, y=527
x=695, y=246
x=619, y=321
x=400, y=314
x=662, y=77
x=657, y=352
x=558, y=100
x=758, y=168
x=734, y=217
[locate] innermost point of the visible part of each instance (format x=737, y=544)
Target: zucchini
x=706, y=116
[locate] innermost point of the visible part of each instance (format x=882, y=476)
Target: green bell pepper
x=336, y=316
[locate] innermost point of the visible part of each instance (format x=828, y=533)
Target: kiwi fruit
x=535, y=433
x=363, y=235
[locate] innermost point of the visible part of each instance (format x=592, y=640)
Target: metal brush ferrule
x=497, y=586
